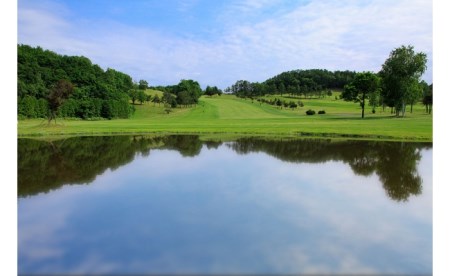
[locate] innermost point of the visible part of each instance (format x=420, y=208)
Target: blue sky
x=219, y=42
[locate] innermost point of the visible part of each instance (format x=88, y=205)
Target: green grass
x=228, y=115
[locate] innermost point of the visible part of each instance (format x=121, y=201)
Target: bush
x=310, y=112
x=321, y=112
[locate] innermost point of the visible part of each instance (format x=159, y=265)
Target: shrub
x=310, y=112
x=321, y=112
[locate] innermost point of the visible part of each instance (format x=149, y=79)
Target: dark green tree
x=58, y=94
x=361, y=88
x=156, y=100
x=148, y=98
x=400, y=73
x=143, y=84
x=427, y=98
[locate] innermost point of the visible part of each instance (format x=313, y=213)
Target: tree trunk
x=411, y=108
x=362, y=106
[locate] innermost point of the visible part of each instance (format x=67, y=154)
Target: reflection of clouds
x=226, y=213
x=93, y=262
x=356, y=212
x=39, y=242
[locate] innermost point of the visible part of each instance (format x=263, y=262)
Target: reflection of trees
x=187, y=145
x=44, y=166
x=397, y=170
x=394, y=163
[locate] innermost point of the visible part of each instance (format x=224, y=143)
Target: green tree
x=148, y=98
x=169, y=99
x=134, y=94
x=414, y=93
x=399, y=73
x=143, y=84
x=427, y=98
x=141, y=96
x=361, y=88
x=58, y=94
x=209, y=91
x=156, y=100
x=193, y=89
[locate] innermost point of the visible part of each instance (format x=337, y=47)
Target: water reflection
x=45, y=166
x=151, y=207
x=394, y=162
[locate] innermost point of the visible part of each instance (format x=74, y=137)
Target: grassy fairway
x=229, y=115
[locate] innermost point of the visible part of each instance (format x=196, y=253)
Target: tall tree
x=361, y=88
x=58, y=94
x=399, y=73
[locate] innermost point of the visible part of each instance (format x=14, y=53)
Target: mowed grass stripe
x=233, y=108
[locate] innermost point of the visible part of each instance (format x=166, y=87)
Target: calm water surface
x=176, y=204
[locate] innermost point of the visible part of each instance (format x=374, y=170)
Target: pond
x=186, y=204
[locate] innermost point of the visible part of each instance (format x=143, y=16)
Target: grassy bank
x=229, y=115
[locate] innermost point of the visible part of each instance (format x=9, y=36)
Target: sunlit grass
x=227, y=114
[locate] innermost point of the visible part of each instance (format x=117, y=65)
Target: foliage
x=58, y=94
x=427, y=98
x=211, y=91
x=400, y=74
x=321, y=112
x=143, y=84
x=362, y=87
x=185, y=93
x=39, y=70
x=169, y=99
x=310, y=112
x=307, y=83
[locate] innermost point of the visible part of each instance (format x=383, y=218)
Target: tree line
x=185, y=94
x=307, y=83
x=71, y=85
x=50, y=85
x=397, y=85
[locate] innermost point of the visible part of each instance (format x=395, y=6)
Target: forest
x=307, y=83
x=96, y=92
